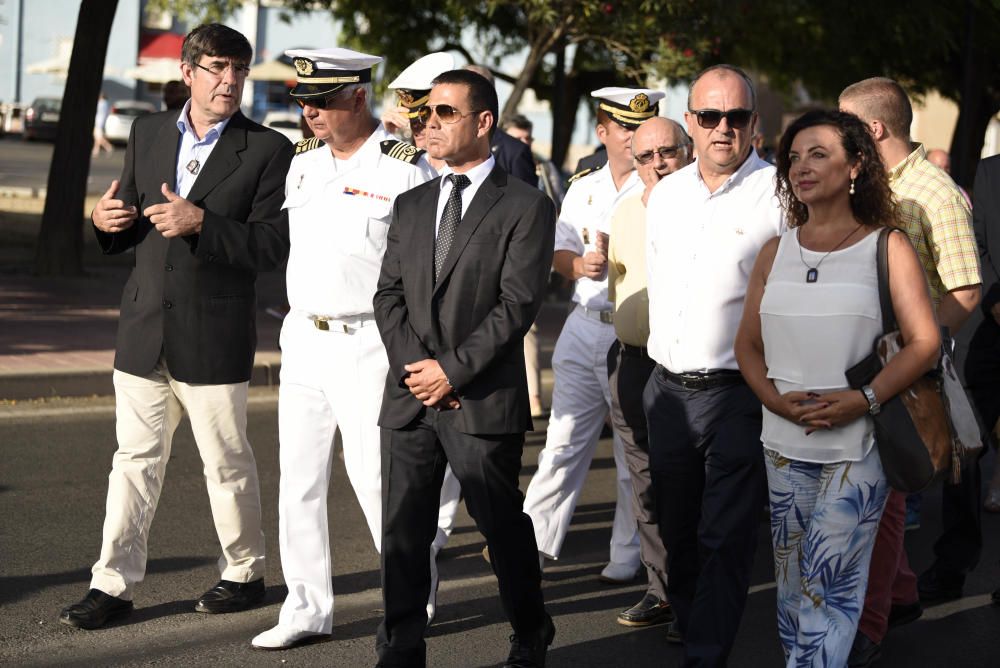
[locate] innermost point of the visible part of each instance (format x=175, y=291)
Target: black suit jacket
x=193, y=297
x=978, y=342
x=514, y=157
x=473, y=321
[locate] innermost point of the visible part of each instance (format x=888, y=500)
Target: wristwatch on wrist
x=873, y=405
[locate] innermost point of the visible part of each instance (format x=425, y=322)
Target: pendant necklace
x=812, y=273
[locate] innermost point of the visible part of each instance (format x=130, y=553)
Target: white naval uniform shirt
x=588, y=206
x=701, y=247
x=338, y=218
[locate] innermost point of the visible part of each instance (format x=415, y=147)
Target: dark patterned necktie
x=449, y=221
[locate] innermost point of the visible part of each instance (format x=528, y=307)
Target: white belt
x=607, y=317
x=345, y=325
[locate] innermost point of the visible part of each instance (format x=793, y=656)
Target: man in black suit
x=463, y=277
x=199, y=201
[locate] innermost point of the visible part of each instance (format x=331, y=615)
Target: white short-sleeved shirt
x=588, y=206
x=338, y=215
x=701, y=247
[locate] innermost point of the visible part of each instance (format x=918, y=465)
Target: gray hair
x=723, y=69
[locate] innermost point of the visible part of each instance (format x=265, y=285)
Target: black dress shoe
x=904, y=614
x=529, y=651
x=228, y=596
x=864, y=652
x=95, y=610
x=936, y=585
x=647, y=612
x=995, y=597
x=674, y=635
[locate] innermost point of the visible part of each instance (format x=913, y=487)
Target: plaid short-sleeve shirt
x=938, y=220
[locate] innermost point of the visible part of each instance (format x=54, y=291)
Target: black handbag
x=915, y=431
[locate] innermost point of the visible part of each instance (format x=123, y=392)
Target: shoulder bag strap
x=884, y=294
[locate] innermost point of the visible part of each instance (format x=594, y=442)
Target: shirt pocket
x=376, y=216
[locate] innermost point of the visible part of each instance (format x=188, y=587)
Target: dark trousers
x=413, y=463
x=707, y=468
x=629, y=368
x=957, y=550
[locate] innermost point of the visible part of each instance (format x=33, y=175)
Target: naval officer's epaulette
x=582, y=173
x=307, y=145
x=401, y=150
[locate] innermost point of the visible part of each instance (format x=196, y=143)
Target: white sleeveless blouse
x=813, y=333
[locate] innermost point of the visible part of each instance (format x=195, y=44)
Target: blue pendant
x=812, y=275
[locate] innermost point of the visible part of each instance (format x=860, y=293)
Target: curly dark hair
x=872, y=202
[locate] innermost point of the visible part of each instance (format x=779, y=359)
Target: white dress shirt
x=193, y=151
x=701, y=247
x=338, y=219
x=588, y=206
x=476, y=176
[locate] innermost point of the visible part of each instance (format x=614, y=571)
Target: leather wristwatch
x=873, y=405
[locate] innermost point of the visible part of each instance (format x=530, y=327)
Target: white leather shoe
x=286, y=637
x=615, y=573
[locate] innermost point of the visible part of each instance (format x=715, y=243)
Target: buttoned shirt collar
x=752, y=163
x=918, y=153
x=477, y=175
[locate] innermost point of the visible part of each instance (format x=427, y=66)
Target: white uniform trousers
x=148, y=410
x=581, y=398
x=329, y=380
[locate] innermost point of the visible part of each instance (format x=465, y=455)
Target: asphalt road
x=52, y=487
x=25, y=164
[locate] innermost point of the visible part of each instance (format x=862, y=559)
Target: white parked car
x=120, y=118
x=285, y=122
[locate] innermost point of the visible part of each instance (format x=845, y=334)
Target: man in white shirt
x=581, y=397
x=339, y=194
x=705, y=225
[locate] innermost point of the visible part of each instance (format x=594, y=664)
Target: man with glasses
x=464, y=274
x=659, y=147
x=705, y=225
x=581, y=397
x=339, y=195
x=199, y=201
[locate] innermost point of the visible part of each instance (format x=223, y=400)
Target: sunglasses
x=737, y=119
x=446, y=112
x=320, y=103
x=665, y=152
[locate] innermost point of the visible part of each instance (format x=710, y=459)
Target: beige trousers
x=148, y=410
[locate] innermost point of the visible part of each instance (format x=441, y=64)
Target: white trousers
x=148, y=410
x=581, y=399
x=329, y=380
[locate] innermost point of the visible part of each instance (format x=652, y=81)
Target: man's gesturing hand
x=111, y=215
x=427, y=381
x=175, y=218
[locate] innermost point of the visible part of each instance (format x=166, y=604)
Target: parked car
x=285, y=122
x=119, y=122
x=41, y=119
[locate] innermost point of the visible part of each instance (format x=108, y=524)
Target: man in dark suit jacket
x=462, y=279
x=199, y=201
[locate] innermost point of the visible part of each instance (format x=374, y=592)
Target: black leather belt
x=703, y=381
x=633, y=351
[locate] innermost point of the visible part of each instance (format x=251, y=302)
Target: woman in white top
x=811, y=312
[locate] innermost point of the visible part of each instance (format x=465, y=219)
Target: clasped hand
x=177, y=217
x=428, y=383
x=824, y=411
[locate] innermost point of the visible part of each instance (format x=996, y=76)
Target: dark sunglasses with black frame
x=665, y=152
x=320, y=103
x=737, y=119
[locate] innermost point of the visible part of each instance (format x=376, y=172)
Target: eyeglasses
x=218, y=69
x=665, y=152
x=737, y=119
x=446, y=112
x=320, y=103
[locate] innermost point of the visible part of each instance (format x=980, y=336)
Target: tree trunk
x=967, y=142
x=60, y=238
x=542, y=44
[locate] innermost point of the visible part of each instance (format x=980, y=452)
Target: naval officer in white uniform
x=581, y=398
x=339, y=195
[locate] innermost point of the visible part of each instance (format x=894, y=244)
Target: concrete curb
x=97, y=381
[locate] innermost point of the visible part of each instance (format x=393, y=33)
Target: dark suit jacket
x=473, y=321
x=978, y=342
x=514, y=157
x=193, y=297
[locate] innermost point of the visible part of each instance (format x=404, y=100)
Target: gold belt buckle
x=607, y=317
x=321, y=324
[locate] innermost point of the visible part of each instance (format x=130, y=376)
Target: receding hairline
x=723, y=72
x=679, y=134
